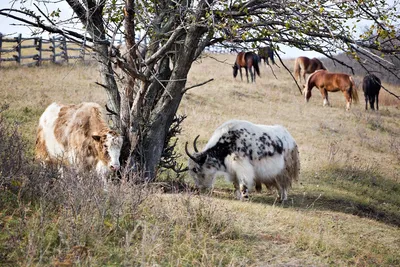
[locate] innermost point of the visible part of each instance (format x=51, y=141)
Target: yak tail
x=255, y=64
x=353, y=92
x=297, y=69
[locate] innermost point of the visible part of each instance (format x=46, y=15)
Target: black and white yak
x=248, y=155
x=371, y=87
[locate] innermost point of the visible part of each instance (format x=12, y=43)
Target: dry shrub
x=188, y=228
x=12, y=153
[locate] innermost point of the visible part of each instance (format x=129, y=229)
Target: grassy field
x=343, y=211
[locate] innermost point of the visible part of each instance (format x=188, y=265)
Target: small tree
x=175, y=32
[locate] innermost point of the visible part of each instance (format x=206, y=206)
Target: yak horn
x=194, y=144
x=187, y=152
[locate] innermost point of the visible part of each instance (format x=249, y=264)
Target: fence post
x=1, y=45
x=53, y=48
x=18, y=47
x=65, y=49
x=82, y=51
x=38, y=43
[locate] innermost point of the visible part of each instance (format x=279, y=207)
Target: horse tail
x=297, y=69
x=255, y=64
x=353, y=92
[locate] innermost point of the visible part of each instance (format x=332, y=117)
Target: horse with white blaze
x=247, y=155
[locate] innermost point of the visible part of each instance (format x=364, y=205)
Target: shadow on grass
x=361, y=193
x=340, y=189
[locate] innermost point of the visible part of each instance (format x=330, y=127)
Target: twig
x=102, y=85
x=44, y=15
x=272, y=71
x=398, y=97
x=196, y=85
x=220, y=61
x=111, y=111
x=283, y=64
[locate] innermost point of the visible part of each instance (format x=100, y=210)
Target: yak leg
x=244, y=192
x=258, y=186
x=282, y=192
x=237, y=190
x=244, y=172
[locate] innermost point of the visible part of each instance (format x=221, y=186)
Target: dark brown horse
x=371, y=87
x=304, y=65
x=248, y=61
x=331, y=82
x=266, y=53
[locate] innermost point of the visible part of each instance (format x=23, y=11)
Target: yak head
x=202, y=167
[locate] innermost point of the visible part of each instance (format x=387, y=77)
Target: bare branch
x=197, y=85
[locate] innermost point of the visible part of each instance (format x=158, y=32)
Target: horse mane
x=311, y=75
x=320, y=62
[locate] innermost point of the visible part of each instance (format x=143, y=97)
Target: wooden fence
x=36, y=50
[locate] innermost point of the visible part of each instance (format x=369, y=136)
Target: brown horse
x=331, y=82
x=248, y=61
x=266, y=53
x=304, y=65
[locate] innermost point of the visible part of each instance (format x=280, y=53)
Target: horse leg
x=324, y=94
x=372, y=102
x=241, y=76
x=348, y=99
x=377, y=99
x=252, y=75
x=247, y=74
x=366, y=102
x=303, y=74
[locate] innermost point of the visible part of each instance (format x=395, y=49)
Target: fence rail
x=36, y=50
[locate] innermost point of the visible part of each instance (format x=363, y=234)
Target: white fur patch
x=114, y=149
x=47, y=122
x=243, y=169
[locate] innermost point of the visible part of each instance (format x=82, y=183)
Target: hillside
x=343, y=211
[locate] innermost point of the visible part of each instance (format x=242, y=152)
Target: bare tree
x=144, y=95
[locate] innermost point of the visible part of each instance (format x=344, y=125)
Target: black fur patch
x=241, y=142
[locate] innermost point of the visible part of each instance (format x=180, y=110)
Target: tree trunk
x=106, y=72
x=163, y=113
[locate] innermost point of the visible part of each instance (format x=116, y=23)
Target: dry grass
x=343, y=211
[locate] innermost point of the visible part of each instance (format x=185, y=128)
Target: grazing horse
x=303, y=65
x=265, y=53
x=331, y=82
x=248, y=61
x=371, y=87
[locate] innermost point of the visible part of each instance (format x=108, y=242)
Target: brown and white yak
x=78, y=135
